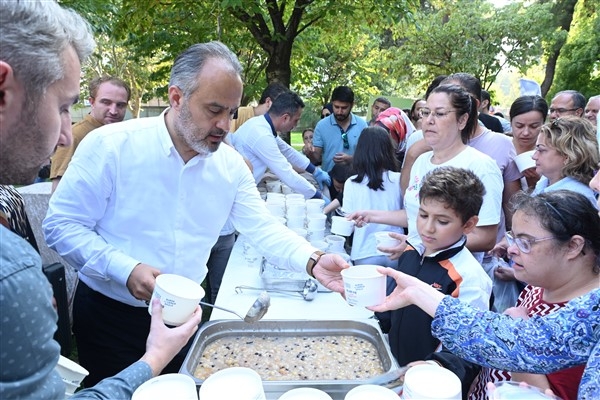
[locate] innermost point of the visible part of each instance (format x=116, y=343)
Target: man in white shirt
x=257, y=140
x=150, y=196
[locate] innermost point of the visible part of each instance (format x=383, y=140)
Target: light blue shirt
x=328, y=136
x=566, y=183
x=28, y=352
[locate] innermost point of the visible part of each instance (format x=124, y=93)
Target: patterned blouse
x=565, y=338
x=564, y=383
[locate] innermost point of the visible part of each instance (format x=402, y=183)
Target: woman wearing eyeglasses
x=448, y=121
x=555, y=244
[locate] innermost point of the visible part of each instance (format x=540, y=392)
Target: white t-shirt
x=358, y=196
x=482, y=165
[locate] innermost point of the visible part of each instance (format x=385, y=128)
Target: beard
x=23, y=150
x=193, y=136
x=341, y=117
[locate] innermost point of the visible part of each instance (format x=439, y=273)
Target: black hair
x=272, y=91
x=343, y=94
x=374, y=155
x=524, y=104
x=286, y=103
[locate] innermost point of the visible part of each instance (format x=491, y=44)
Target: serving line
x=325, y=306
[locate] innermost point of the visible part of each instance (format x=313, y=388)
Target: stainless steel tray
x=337, y=389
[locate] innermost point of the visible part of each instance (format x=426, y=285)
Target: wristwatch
x=312, y=261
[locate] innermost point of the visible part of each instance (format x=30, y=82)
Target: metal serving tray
x=337, y=389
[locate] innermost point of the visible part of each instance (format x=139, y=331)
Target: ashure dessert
x=290, y=358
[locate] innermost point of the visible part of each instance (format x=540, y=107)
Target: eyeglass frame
x=426, y=112
x=561, y=110
x=519, y=242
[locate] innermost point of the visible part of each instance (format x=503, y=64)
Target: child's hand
x=396, y=251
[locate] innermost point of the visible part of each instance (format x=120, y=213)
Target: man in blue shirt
x=336, y=135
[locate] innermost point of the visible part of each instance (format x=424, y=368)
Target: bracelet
x=312, y=261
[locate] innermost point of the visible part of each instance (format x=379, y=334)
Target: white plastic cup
x=294, y=196
x=295, y=222
x=305, y=394
x=341, y=226
x=300, y=232
x=276, y=209
x=364, y=286
x=315, y=206
x=238, y=383
x=178, y=296
x=295, y=209
x=282, y=220
x=524, y=160
x=383, y=239
x=168, y=386
x=418, y=379
x=316, y=221
x=315, y=234
x=274, y=196
x=273, y=187
x=320, y=244
x=371, y=392
x=336, y=243
x=285, y=189
x=71, y=373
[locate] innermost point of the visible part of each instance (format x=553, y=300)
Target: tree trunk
x=563, y=10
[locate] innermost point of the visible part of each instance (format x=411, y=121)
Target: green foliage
x=578, y=66
x=470, y=36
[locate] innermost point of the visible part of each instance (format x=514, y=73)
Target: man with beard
x=150, y=196
x=43, y=46
x=336, y=135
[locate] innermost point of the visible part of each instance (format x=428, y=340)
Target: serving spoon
x=258, y=309
x=308, y=292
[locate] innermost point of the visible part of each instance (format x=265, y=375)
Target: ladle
x=308, y=292
x=256, y=312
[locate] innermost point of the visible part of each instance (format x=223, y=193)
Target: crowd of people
x=441, y=177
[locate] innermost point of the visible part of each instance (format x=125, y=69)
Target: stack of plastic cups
x=276, y=204
x=295, y=213
x=315, y=226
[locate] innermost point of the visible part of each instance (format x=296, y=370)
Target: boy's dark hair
x=341, y=172
x=458, y=188
x=286, y=103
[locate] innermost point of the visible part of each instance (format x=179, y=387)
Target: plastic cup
x=315, y=234
x=364, y=286
x=316, y=221
x=168, y=386
x=418, y=383
x=524, y=161
x=285, y=189
x=237, y=383
x=273, y=196
x=300, y=232
x=295, y=222
x=320, y=244
x=383, y=239
x=305, y=394
x=341, y=226
x=315, y=206
x=178, y=296
x=509, y=390
x=71, y=373
x=371, y=392
x=273, y=186
x=336, y=243
x=294, y=196
x=276, y=209
x=295, y=209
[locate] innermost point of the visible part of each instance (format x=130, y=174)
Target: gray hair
x=34, y=36
x=578, y=98
x=188, y=64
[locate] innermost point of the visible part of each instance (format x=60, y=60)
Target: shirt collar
x=270, y=121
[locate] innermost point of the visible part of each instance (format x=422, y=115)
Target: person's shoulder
x=359, y=121
x=16, y=255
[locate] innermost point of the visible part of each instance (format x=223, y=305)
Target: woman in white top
x=376, y=185
x=448, y=120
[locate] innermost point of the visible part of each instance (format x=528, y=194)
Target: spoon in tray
x=256, y=312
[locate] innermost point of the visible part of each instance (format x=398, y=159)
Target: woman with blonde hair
x=566, y=155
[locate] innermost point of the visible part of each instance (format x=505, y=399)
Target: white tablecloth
x=325, y=306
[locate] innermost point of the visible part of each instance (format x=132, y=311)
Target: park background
x=392, y=48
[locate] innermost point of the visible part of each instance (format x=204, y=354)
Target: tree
x=470, y=36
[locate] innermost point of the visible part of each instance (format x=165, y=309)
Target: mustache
x=217, y=132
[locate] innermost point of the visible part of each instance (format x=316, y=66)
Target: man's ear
x=11, y=93
x=470, y=224
x=175, y=96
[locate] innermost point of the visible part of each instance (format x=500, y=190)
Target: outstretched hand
x=164, y=343
x=327, y=271
x=322, y=178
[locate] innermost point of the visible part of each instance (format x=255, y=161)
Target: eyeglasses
x=426, y=112
x=524, y=244
x=561, y=110
x=345, y=139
